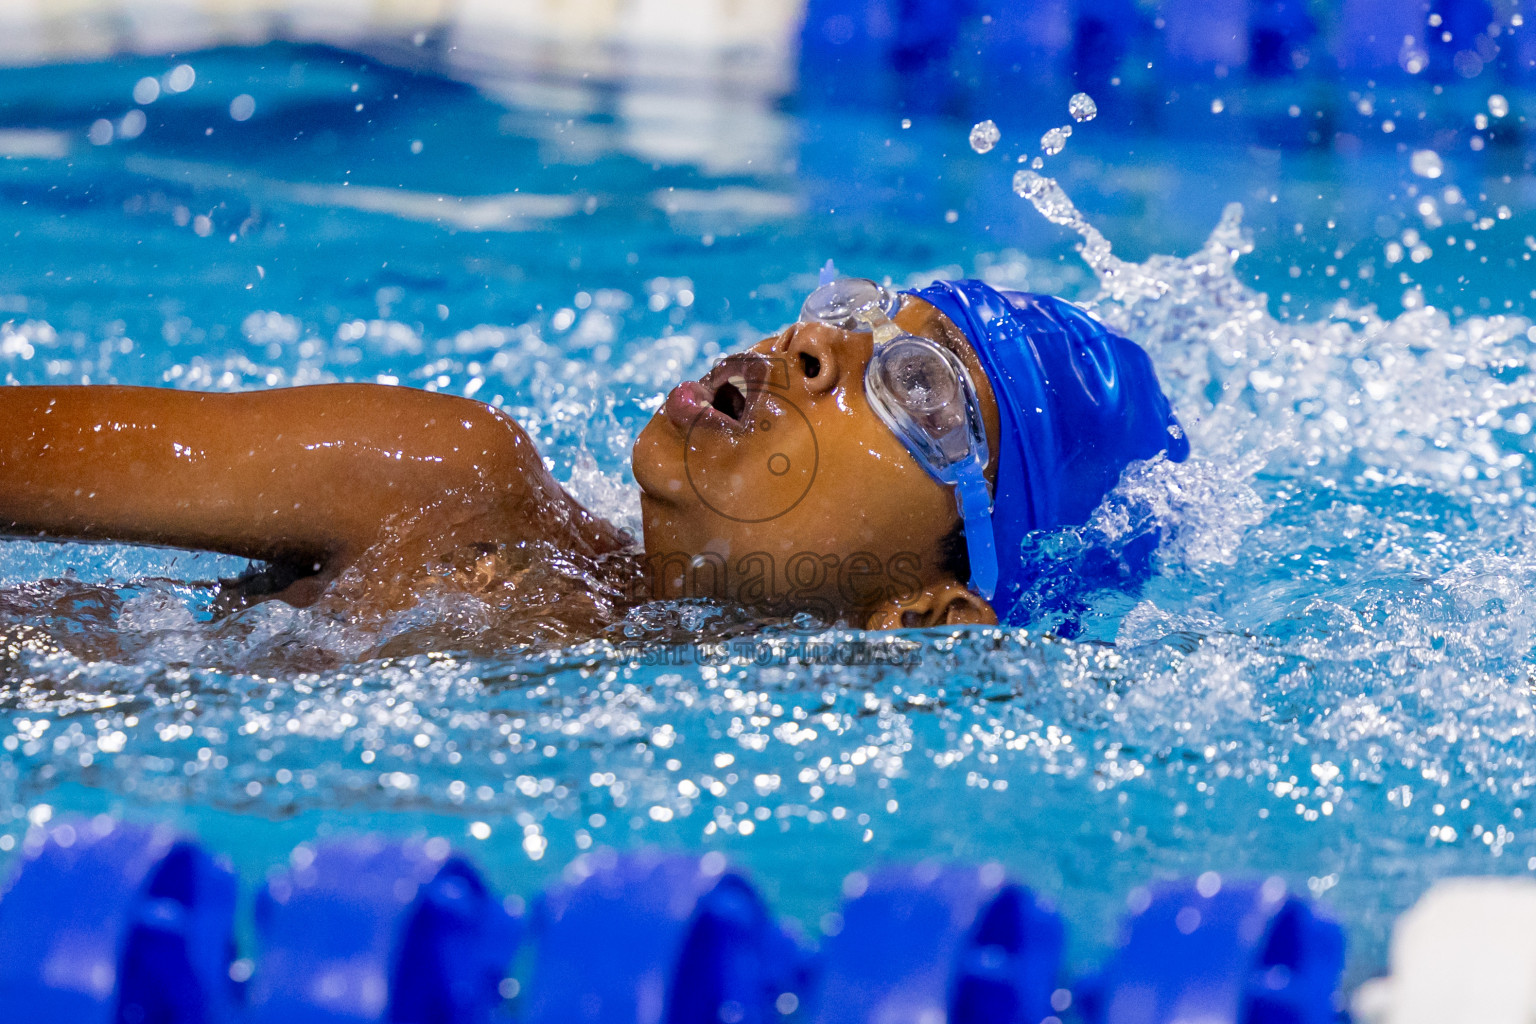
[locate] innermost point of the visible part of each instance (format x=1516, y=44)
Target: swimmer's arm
x=299, y=475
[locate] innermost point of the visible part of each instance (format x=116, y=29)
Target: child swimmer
x=882, y=461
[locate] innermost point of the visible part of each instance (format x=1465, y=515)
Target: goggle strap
x=975, y=502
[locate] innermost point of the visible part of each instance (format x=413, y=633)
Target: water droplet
x=984, y=136
x=146, y=90
x=1055, y=140
x=1498, y=106
x=1426, y=163
x=181, y=78
x=1218, y=105
x=242, y=107
x=1082, y=107
x=132, y=124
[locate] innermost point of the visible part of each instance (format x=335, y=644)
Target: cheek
x=870, y=495
x=757, y=477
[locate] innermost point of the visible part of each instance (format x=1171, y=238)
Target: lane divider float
x=111, y=923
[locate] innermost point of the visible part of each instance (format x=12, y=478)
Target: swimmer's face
x=772, y=483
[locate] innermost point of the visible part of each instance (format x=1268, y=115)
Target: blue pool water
x=1329, y=678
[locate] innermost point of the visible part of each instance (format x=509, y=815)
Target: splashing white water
x=1355, y=432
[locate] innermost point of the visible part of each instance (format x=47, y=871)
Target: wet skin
x=310, y=479
x=774, y=454
x=792, y=492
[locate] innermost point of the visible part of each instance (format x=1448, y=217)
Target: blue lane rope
x=1213, y=950
x=375, y=931
x=112, y=923
x=635, y=935
x=996, y=57
x=939, y=942
x=109, y=922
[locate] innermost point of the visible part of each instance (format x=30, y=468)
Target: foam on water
x=1329, y=677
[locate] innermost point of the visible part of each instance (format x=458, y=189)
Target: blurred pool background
x=563, y=207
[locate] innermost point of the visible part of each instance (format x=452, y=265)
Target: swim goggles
x=922, y=392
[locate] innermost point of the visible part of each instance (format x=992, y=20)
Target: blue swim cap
x=1077, y=403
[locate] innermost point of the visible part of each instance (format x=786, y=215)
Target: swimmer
x=880, y=462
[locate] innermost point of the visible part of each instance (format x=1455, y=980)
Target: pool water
x=1330, y=676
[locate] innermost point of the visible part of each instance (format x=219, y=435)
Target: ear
x=941, y=604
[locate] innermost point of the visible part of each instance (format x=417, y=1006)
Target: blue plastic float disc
x=374, y=931
x=1220, y=953
x=107, y=923
x=656, y=939
x=939, y=943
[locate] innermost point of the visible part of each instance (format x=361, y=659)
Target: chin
x=656, y=461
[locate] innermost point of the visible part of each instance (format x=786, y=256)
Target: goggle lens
x=850, y=303
x=919, y=390
x=917, y=376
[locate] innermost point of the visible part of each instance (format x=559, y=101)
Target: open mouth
x=723, y=397
x=729, y=400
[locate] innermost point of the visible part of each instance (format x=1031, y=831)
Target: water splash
x=1352, y=405
x=1048, y=197
x=1328, y=677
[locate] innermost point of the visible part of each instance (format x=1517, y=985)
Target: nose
x=826, y=357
